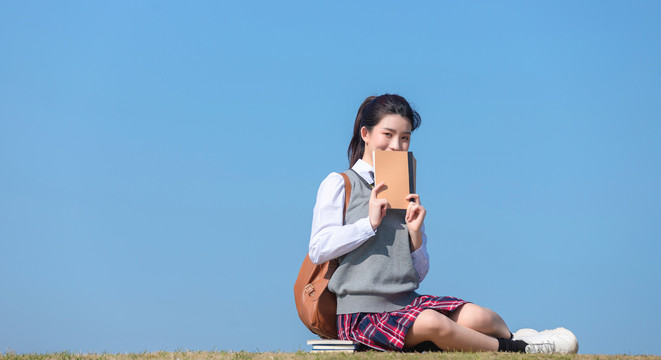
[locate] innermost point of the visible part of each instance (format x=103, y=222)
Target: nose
x=395, y=145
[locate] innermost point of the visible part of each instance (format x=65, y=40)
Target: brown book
x=397, y=169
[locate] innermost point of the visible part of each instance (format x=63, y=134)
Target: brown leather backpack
x=316, y=305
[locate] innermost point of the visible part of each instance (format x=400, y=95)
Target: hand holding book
x=415, y=215
x=415, y=212
x=377, y=207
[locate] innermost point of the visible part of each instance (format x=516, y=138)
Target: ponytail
x=370, y=113
x=357, y=145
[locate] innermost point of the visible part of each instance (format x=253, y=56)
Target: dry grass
x=370, y=355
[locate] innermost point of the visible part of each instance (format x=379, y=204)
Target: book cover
x=342, y=350
x=327, y=345
x=330, y=342
x=397, y=169
x=334, y=347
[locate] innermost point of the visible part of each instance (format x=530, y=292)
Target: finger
x=377, y=188
x=414, y=197
x=410, y=211
x=384, y=207
x=415, y=211
x=411, y=205
x=383, y=203
x=422, y=212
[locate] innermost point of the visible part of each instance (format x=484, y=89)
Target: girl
x=383, y=257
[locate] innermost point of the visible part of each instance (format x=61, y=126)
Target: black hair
x=370, y=113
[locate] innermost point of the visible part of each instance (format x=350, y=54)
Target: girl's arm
x=329, y=238
x=415, y=216
x=421, y=257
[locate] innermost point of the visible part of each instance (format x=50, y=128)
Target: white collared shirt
x=330, y=239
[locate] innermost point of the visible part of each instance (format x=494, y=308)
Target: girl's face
x=392, y=133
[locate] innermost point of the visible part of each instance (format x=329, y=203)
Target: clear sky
x=159, y=163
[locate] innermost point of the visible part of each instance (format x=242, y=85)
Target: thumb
x=377, y=189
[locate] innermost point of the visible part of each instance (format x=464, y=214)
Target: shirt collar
x=365, y=170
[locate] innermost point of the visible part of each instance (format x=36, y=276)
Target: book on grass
x=339, y=350
x=397, y=169
x=335, y=342
x=332, y=345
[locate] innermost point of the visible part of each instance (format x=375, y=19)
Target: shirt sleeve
x=421, y=257
x=329, y=237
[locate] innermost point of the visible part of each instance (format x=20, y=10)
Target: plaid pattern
x=386, y=331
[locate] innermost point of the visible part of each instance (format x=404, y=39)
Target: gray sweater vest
x=379, y=275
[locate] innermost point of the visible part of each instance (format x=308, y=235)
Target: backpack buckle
x=309, y=289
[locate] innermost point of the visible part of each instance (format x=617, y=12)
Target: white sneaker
x=556, y=341
x=543, y=347
x=522, y=334
x=566, y=342
x=538, y=343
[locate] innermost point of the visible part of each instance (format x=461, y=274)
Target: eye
x=387, y=134
x=406, y=138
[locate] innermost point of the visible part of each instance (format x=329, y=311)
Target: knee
x=487, y=318
x=434, y=323
x=478, y=317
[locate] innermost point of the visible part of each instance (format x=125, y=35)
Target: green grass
x=369, y=355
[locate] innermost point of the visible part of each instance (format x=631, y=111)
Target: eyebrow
x=393, y=130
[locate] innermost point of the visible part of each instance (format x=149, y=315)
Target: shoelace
x=544, y=347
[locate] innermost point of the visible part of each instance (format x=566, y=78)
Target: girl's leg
x=481, y=319
x=447, y=334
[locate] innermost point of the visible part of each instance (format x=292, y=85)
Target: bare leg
x=481, y=319
x=447, y=334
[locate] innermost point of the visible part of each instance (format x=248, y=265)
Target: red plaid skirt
x=386, y=331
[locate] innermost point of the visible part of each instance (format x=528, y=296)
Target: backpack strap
x=347, y=194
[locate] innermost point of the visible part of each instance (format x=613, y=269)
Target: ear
x=365, y=134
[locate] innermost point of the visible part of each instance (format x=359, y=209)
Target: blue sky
x=160, y=162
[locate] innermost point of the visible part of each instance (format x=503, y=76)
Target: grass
x=369, y=355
